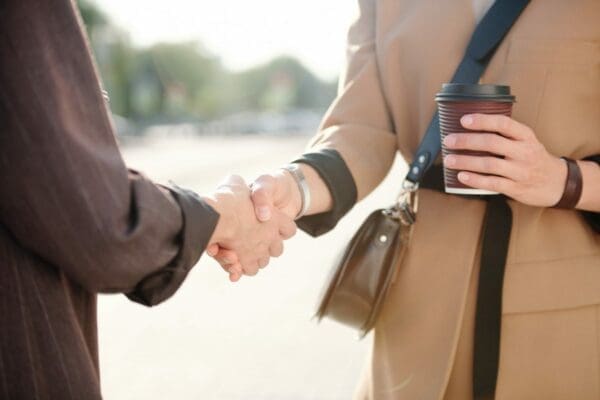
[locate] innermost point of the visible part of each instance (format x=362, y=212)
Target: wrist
x=294, y=191
x=226, y=225
x=301, y=190
x=557, y=180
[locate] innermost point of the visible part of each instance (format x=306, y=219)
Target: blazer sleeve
x=355, y=146
x=67, y=196
x=593, y=218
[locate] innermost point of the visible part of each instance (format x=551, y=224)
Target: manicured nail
x=463, y=176
x=466, y=120
x=264, y=214
x=450, y=160
x=450, y=140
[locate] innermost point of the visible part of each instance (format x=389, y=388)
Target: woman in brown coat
x=399, y=54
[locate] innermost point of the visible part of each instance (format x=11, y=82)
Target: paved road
x=251, y=340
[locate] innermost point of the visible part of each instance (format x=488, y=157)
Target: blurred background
x=200, y=90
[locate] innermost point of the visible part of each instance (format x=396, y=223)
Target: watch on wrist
x=300, y=179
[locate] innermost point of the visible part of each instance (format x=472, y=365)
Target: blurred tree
x=283, y=84
x=184, y=81
x=91, y=15
x=114, y=56
x=185, y=72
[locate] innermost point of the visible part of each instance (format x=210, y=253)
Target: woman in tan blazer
x=399, y=54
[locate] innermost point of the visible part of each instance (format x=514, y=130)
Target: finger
x=263, y=262
x=287, y=228
x=235, y=277
x=496, y=123
x=226, y=257
x=251, y=269
x=263, y=190
x=212, y=249
x=276, y=249
x=235, y=272
x=484, y=165
x=490, y=142
x=491, y=183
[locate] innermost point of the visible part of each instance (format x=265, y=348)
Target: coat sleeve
x=357, y=128
x=593, y=218
x=67, y=196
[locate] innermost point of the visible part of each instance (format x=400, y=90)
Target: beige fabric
x=399, y=53
x=480, y=7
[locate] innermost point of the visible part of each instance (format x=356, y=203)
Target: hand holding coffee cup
x=486, y=153
x=456, y=100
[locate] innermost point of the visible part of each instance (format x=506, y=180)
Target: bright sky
x=244, y=33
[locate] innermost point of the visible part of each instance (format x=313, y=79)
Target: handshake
x=254, y=221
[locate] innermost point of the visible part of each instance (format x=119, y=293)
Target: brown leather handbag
x=368, y=266
x=362, y=278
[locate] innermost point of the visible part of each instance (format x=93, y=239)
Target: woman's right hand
x=241, y=243
x=278, y=192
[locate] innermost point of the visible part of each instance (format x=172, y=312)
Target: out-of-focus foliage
x=175, y=81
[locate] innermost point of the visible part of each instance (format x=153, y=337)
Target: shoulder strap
x=484, y=42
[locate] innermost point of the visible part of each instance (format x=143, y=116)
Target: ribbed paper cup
x=456, y=100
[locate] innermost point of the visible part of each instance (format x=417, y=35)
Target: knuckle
x=504, y=123
x=492, y=184
x=490, y=141
x=460, y=140
x=490, y=164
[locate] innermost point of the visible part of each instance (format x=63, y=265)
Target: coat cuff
x=593, y=218
x=199, y=223
x=332, y=168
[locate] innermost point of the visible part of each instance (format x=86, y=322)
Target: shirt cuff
x=199, y=223
x=332, y=168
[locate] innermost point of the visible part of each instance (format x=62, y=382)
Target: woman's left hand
x=527, y=173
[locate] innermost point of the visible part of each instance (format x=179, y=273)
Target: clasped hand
x=251, y=229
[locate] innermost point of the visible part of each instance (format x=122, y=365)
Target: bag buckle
x=405, y=209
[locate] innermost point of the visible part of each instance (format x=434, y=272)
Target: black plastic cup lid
x=474, y=92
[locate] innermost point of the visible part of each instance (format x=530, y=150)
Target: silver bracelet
x=298, y=176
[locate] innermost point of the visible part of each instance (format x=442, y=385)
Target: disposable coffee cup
x=456, y=100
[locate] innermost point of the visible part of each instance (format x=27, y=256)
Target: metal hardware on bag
x=405, y=209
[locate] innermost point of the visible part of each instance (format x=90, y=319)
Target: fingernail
x=463, y=176
x=450, y=160
x=450, y=140
x=466, y=120
x=264, y=214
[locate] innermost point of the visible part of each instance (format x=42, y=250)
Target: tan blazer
x=399, y=54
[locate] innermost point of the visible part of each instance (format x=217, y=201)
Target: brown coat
x=73, y=220
x=400, y=52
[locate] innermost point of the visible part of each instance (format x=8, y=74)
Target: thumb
x=263, y=190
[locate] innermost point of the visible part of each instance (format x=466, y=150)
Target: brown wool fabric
x=74, y=221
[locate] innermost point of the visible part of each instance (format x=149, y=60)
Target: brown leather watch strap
x=573, y=186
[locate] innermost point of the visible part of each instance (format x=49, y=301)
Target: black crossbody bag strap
x=485, y=40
